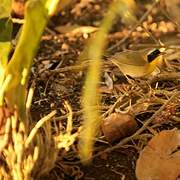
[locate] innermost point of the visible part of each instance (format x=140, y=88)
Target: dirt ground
x=57, y=79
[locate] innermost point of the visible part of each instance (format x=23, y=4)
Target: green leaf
x=5, y=8
x=36, y=17
x=5, y=38
x=5, y=46
x=5, y=29
x=5, y=35
x=4, y=52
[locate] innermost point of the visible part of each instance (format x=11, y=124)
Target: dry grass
x=29, y=151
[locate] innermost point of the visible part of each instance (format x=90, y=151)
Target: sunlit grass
x=91, y=97
x=25, y=151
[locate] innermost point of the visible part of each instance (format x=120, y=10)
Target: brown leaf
x=74, y=29
x=118, y=125
x=160, y=159
x=108, y=80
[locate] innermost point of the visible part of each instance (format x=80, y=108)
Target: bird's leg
x=155, y=72
x=130, y=79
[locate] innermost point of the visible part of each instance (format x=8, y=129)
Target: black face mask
x=153, y=55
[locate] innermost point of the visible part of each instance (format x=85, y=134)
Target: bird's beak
x=162, y=50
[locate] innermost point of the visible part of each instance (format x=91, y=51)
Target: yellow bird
x=138, y=63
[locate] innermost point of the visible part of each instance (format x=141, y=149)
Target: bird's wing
x=129, y=58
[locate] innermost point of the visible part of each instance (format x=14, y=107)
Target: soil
x=55, y=83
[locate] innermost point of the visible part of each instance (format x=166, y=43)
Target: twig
x=125, y=140
x=37, y=126
x=77, y=113
x=61, y=118
x=165, y=76
x=111, y=109
x=70, y=68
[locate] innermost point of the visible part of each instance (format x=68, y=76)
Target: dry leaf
x=108, y=81
x=160, y=159
x=74, y=29
x=118, y=125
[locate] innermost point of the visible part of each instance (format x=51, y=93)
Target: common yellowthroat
x=138, y=63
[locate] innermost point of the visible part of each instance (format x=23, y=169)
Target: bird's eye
x=153, y=55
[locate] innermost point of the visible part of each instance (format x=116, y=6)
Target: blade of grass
x=91, y=97
x=5, y=44
x=5, y=8
x=36, y=16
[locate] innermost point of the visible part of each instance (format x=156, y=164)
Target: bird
x=138, y=63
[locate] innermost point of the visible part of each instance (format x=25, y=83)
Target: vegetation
x=23, y=149
x=142, y=107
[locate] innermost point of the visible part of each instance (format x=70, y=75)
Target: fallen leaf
x=118, y=125
x=160, y=159
x=108, y=80
x=74, y=29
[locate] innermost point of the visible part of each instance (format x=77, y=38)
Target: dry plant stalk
x=25, y=151
x=91, y=97
x=24, y=156
x=28, y=153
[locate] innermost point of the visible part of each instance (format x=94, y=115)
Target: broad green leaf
x=4, y=52
x=21, y=61
x=5, y=29
x=36, y=17
x=5, y=38
x=5, y=8
x=5, y=45
x=51, y=6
